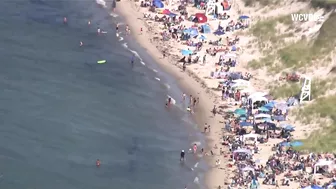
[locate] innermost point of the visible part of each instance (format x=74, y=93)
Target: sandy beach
x=200, y=80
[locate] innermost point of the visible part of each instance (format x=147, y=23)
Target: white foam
x=101, y=2
x=196, y=180
x=157, y=78
x=113, y=15
x=173, y=101
x=198, y=143
x=196, y=165
x=125, y=45
x=121, y=38
x=167, y=86
x=142, y=63
x=154, y=70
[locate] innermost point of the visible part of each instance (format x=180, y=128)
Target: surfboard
x=101, y=61
x=104, y=32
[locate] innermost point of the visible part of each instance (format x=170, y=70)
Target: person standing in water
x=98, y=31
x=89, y=23
x=65, y=20
x=81, y=44
x=182, y=155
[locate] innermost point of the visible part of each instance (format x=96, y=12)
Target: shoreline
x=188, y=81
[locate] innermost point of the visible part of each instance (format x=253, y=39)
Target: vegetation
x=266, y=30
x=323, y=140
x=303, y=52
x=250, y=3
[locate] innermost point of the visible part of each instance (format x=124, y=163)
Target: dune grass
x=324, y=139
x=266, y=30
x=303, y=52
x=250, y=3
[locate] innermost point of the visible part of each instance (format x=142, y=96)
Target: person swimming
x=98, y=31
x=81, y=44
x=65, y=20
x=97, y=162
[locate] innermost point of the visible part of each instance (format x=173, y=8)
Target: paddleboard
x=104, y=32
x=101, y=61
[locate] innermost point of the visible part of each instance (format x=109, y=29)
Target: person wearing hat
x=182, y=155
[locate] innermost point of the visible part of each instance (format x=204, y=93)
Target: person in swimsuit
x=97, y=162
x=65, y=20
x=98, y=31
x=182, y=155
x=80, y=43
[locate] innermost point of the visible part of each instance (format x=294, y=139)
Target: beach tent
x=278, y=118
x=186, y=52
x=245, y=124
x=200, y=18
x=243, y=17
x=158, y=4
x=191, y=31
x=255, y=99
x=253, y=136
x=205, y=28
x=322, y=163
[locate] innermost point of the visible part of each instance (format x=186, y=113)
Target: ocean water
x=60, y=110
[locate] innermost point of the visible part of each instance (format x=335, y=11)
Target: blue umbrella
x=313, y=187
x=202, y=37
x=289, y=128
x=296, y=143
x=278, y=118
x=186, y=52
x=285, y=144
x=245, y=124
x=270, y=105
x=243, y=17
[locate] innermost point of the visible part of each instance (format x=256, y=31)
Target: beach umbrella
x=185, y=52
x=278, y=118
x=296, y=143
x=243, y=17
x=200, y=18
x=242, y=118
x=245, y=124
x=240, y=111
x=313, y=187
x=266, y=119
x=270, y=105
x=289, y=128
x=287, y=144
x=202, y=37
x=263, y=109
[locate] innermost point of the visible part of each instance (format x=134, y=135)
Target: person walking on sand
x=214, y=110
x=141, y=31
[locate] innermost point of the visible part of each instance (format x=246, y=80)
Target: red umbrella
x=166, y=11
x=201, y=18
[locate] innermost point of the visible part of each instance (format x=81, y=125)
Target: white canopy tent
x=323, y=162
x=258, y=116
x=249, y=136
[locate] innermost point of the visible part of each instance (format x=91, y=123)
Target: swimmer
x=81, y=44
x=117, y=28
x=195, y=148
x=98, y=31
x=89, y=23
x=184, y=96
x=65, y=20
x=169, y=100
x=182, y=155
x=98, y=163
x=132, y=60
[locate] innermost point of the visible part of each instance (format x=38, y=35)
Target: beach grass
x=265, y=30
x=286, y=90
x=323, y=112
x=250, y=3
x=303, y=52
